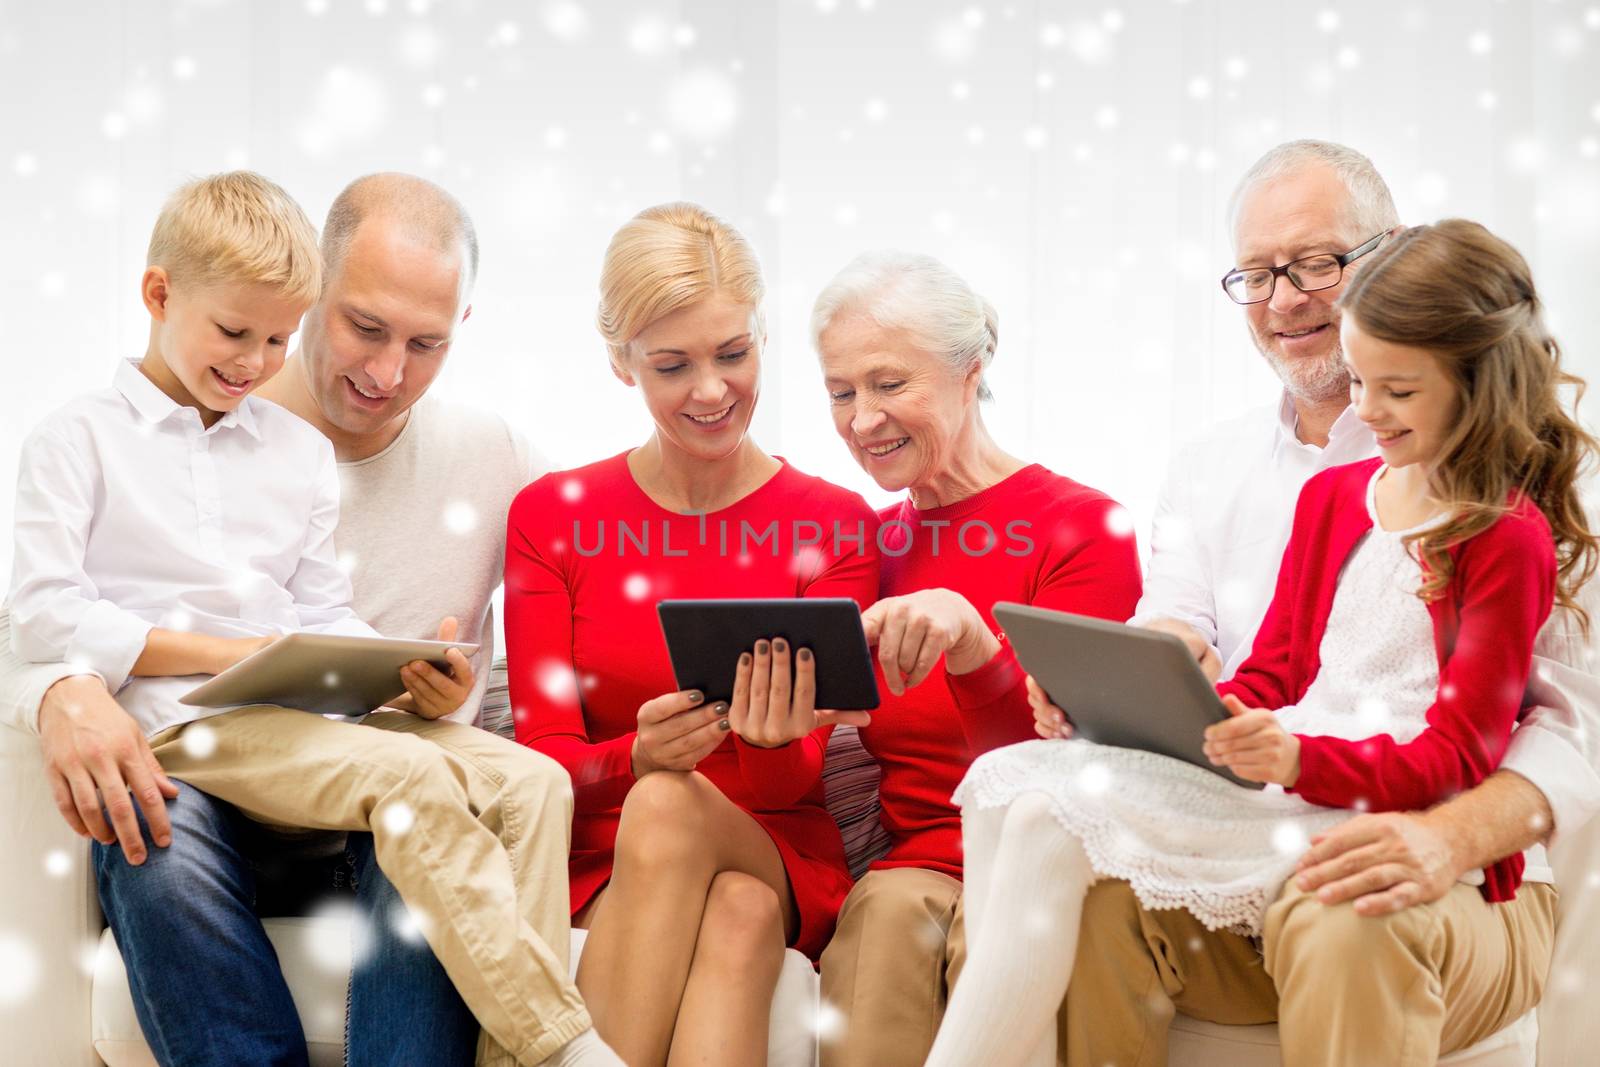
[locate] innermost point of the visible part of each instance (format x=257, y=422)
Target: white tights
x=1025, y=880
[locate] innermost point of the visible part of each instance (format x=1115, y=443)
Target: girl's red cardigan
x=1484, y=625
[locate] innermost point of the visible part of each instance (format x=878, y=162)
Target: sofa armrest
x=51, y=922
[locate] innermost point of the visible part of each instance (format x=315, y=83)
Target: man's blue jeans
x=206, y=983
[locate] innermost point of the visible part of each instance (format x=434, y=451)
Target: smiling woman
x=700, y=844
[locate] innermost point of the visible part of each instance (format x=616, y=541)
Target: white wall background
x=1072, y=159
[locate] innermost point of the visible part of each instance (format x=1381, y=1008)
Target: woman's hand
x=435, y=693
x=914, y=630
x=1254, y=745
x=1049, y=721
x=677, y=731
x=769, y=711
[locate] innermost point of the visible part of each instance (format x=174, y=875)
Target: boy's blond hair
x=237, y=227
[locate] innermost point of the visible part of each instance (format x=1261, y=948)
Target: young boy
x=173, y=524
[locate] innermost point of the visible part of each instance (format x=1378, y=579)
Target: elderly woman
x=904, y=342
x=700, y=844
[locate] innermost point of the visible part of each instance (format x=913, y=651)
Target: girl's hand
x=1049, y=721
x=1254, y=745
x=914, y=630
x=769, y=711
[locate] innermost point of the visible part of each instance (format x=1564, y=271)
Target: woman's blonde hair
x=237, y=227
x=1465, y=295
x=668, y=257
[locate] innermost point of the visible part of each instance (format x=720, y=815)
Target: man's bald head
x=420, y=209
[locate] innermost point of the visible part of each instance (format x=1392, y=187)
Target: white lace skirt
x=1181, y=836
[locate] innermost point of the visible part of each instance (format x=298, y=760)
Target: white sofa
x=64, y=998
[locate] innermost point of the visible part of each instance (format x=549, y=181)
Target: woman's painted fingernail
x=805, y=655
x=744, y=659
x=724, y=725
x=761, y=648
x=721, y=708
x=695, y=696
x=779, y=646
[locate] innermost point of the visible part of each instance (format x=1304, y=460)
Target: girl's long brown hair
x=1465, y=295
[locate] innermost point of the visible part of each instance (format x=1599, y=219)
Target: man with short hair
x=425, y=489
x=1375, y=952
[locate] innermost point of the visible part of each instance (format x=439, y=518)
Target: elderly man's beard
x=1312, y=381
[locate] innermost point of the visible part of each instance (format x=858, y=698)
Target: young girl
x=1395, y=653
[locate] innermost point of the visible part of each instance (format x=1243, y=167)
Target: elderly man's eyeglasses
x=1252, y=285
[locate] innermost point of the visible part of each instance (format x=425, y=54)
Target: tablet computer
x=330, y=674
x=706, y=637
x=1120, y=685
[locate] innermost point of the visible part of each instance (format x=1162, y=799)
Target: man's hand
x=914, y=630
x=1253, y=744
x=435, y=693
x=92, y=750
x=1385, y=863
x=1192, y=639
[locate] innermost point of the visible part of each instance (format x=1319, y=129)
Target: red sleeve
x=1504, y=584
x=780, y=777
x=1266, y=678
x=543, y=682
x=1090, y=571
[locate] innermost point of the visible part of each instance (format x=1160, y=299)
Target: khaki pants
x=888, y=971
x=473, y=831
x=1346, y=990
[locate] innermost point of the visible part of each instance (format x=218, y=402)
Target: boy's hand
x=233, y=650
x=93, y=749
x=1254, y=745
x=435, y=693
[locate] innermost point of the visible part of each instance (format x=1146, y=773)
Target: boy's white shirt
x=131, y=515
x=1222, y=524
x=422, y=535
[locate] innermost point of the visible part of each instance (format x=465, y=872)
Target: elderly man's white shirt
x=1222, y=523
x=131, y=515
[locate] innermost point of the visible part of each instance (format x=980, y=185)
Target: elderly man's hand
x=1385, y=863
x=1201, y=649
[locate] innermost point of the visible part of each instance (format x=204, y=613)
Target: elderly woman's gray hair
x=918, y=294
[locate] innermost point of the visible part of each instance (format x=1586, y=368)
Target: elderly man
x=1376, y=952
x=426, y=487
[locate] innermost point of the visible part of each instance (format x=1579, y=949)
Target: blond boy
x=173, y=524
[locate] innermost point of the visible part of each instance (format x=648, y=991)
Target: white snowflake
x=337, y=937
x=876, y=109
x=1106, y=117
x=649, y=35
x=1289, y=838
x=953, y=40
x=830, y=1022
x=408, y=926
x=398, y=818
x=57, y=864
x=53, y=284
x=419, y=46
x=184, y=68
x=348, y=105
x=330, y=680
x=25, y=164
x=1112, y=20
x=19, y=969
x=1035, y=137
x=199, y=740
x=1095, y=780
x=1348, y=58
x=1235, y=68
x=1119, y=522
x=460, y=517
x=1480, y=43
x=960, y=90
x=1328, y=20
x=114, y=125
x=565, y=20
x=1199, y=87
x=702, y=104
x=1089, y=43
